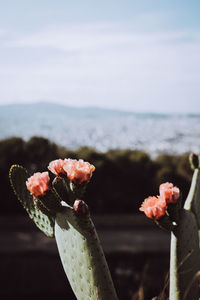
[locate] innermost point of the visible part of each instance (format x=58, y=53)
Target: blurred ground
x=136, y=249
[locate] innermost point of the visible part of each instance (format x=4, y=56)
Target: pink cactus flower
x=56, y=167
x=169, y=193
x=38, y=184
x=154, y=207
x=78, y=171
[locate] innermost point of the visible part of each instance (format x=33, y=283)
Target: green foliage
x=12, y=151
x=125, y=174
x=176, y=169
x=33, y=154
x=40, y=152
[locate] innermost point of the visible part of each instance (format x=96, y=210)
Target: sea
x=102, y=129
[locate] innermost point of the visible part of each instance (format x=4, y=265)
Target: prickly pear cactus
x=184, y=224
x=54, y=209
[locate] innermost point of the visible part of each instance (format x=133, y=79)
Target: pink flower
x=56, y=167
x=169, y=193
x=38, y=184
x=154, y=207
x=78, y=171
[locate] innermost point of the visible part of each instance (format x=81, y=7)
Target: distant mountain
x=102, y=128
x=49, y=107
x=53, y=108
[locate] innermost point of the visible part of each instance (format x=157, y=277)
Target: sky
x=123, y=54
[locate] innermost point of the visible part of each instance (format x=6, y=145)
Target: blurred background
x=115, y=83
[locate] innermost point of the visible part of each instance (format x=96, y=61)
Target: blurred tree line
x=121, y=181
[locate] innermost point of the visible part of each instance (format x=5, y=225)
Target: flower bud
x=80, y=207
x=194, y=161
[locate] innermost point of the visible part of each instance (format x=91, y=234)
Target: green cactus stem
x=194, y=161
x=193, y=200
x=82, y=257
x=184, y=257
x=165, y=223
x=185, y=251
x=61, y=188
x=51, y=201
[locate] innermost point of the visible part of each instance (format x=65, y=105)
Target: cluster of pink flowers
x=78, y=172
x=155, y=207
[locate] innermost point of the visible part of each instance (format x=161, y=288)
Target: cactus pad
x=82, y=257
x=184, y=257
x=18, y=177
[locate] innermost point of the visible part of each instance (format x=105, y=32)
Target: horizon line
x=118, y=109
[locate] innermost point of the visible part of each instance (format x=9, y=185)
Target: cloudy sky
x=132, y=55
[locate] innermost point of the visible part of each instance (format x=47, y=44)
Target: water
x=102, y=129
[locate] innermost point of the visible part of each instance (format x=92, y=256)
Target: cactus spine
x=78, y=244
